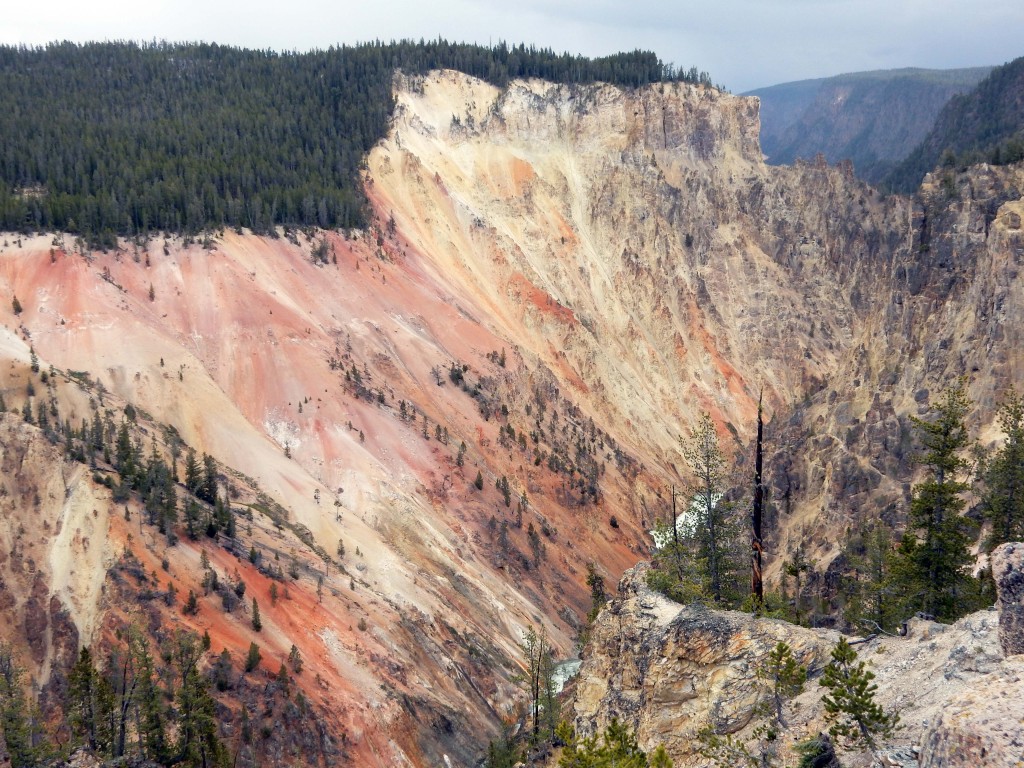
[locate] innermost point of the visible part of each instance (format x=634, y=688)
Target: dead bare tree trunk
x=756, y=542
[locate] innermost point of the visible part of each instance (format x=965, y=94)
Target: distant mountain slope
x=984, y=125
x=873, y=118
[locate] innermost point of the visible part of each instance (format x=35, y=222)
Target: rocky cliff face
x=669, y=671
x=561, y=279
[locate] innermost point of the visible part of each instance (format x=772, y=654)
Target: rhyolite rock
x=982, y=725
x=1008, y=572
x=669, y=670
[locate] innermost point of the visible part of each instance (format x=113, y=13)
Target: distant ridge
x=873, y=118
x=984, y=125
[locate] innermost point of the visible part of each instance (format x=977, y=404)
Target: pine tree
x=192, y=478
x=795, y=567
x=933, y=558
x=295, y=659
x=783, y=678
x=207, y=490
x=124, y=456
x=857, y=719
x=617, y=747
x=253, y=657
x=222, y=671
x=90, y=704
x=120, y=671
x=18, y=719
x=598, y=593
x=502, y=752
x=197, y=745
x=867, y=584
x=539, y=680
x=713, y=524
x=257, y=623
x=149, y=701
x=1003, y=475
x=672, y=574
x=283, y=680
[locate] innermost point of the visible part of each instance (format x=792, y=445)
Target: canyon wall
x=561, y=279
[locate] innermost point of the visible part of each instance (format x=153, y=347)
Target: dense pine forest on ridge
x=109, y=139
x=981, y=126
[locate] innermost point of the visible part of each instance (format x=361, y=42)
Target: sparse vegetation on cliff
x=616, y=747
x=700, y=551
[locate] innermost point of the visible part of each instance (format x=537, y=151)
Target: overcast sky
x=743, y=44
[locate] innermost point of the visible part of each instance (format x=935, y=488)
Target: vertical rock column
x=1008, y=572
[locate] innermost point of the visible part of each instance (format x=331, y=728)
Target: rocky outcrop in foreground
x=669, y=670
x=983, y=724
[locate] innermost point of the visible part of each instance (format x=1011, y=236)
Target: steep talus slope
x=674, y=262
x=681, y=273
x=235, y=353
x=561, y=278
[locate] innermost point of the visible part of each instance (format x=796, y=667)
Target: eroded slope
x=561, y=279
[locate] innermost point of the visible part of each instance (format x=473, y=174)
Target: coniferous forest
x=122, y=139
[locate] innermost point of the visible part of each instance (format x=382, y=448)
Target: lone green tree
x=253, y=657
x=934, y=556
x=257, y=623
x=857, y=719
x=783, y=677
x=713, y=523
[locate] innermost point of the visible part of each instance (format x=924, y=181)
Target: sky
x=742, y=44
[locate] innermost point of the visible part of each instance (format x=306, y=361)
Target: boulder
x=1008, y=572
x=981, y=725
x=668, y=670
